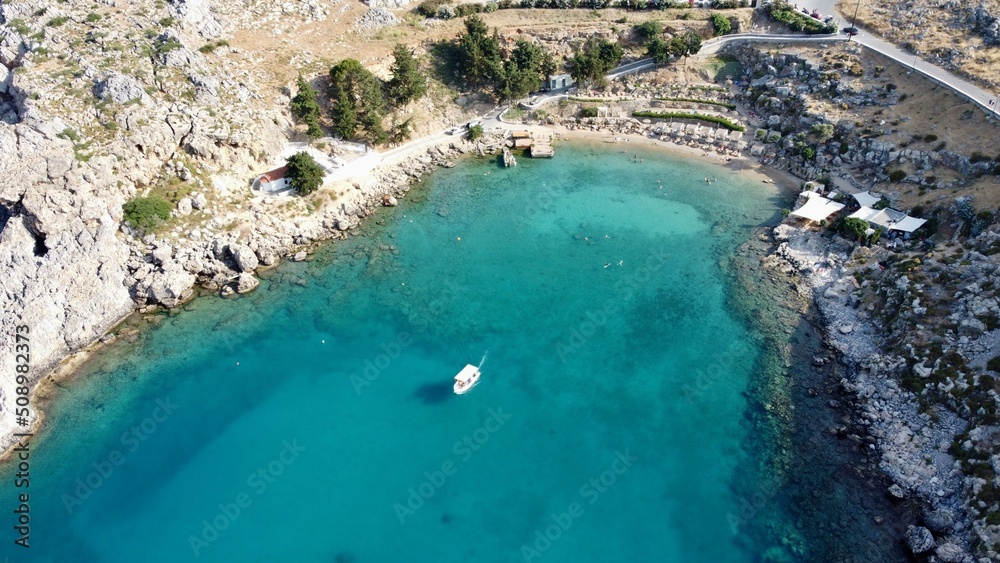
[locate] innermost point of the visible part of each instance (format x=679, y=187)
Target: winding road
x=973, y=93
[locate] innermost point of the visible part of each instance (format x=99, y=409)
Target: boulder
x=184, y=206
x=919, y=539
x=171, y=287
x=950, y=553
x=245, y=258
x=245, y=283
x=119, y=88
x=162, y=254
x=389, y=201
x=940, y=520
x=199, y=201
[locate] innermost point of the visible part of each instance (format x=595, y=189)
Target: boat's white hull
x=465, y=388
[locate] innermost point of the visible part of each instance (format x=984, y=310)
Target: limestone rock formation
x=245, y=258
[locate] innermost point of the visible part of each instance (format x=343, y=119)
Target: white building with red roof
x=272, y=181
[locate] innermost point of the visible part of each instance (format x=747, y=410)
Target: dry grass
x=923, y=26
x=928, y=109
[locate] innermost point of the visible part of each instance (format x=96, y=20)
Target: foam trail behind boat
x=483, y=361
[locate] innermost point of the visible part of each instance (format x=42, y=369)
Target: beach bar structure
x=817, y=208
x=866, y=199
x=889, y=219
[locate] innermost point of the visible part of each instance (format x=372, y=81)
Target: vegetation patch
x=683, y=115
x=146, y=213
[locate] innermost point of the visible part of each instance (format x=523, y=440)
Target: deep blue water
x=314, y=420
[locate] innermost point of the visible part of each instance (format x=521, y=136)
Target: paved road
x=976, y=94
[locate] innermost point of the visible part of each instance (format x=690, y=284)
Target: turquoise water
x=314, y=420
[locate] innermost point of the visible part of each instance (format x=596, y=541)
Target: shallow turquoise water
x=314, y=420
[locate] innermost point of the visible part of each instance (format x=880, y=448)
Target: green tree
x=304, y=174
x=522, y=72
x=721, y=24
x=659, y=49
x=854, y=228
x=358, y=100
x=146, y=213
x=306, y=109
x=647, y=30
x=480, y=62
x=689, y=44
x=475, y=132
x=595, y=59
x=408, y=82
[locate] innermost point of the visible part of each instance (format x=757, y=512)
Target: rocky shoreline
x=911, y=446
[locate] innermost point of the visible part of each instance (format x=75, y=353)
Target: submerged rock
x=245, y=283
x=940, y=520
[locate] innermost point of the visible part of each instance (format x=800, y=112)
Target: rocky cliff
x=101, y=102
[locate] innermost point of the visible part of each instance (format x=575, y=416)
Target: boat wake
x=483, y=361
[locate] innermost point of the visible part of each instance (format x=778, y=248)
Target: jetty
x=541, y=147
x=538, y=145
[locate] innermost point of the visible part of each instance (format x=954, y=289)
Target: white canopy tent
x=866, y=199
x=890, y=219
x=817, y=208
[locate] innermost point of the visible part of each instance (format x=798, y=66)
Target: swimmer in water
x=608, y=264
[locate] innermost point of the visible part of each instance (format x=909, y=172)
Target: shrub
x=57, y=21
x=93, y=17
x=897, y=175
x=649, y=29
x=588, y=112
x=304, y=174
x=475, y=132
x=463, y=10
x=146, y=213
x=429, y=8
x=978, y=157
x=445, y=12
x=930, y=138
x=721, y=24
x=994, y=364
x=682, y=115
x=823, y=131
x=854, y=228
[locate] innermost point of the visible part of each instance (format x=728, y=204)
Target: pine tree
x=408, y=83
x=306, y=109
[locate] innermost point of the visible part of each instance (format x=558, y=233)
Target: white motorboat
x=466, y=379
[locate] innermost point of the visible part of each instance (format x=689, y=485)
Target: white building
x=272, y=181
